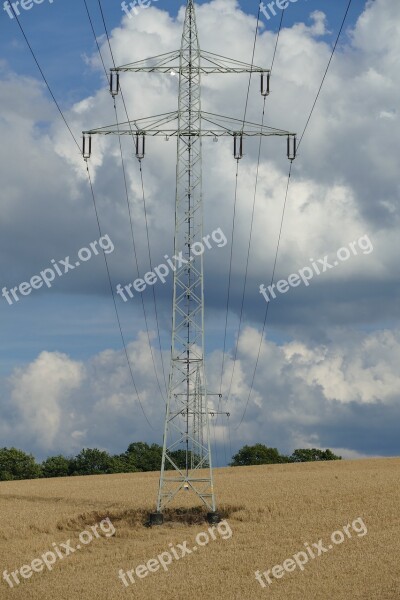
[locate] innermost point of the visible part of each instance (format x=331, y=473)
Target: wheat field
x=271, y=511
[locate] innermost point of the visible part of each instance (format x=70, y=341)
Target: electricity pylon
x=187, y=411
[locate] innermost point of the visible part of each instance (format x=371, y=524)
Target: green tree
x=313, y=455
x=143, y=456
x=16, y=464
x=91, y=461
x=257, y=455
x=57, y=466
x=179, y=458
x=124, y=463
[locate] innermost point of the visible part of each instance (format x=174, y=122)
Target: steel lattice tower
x=187, y=411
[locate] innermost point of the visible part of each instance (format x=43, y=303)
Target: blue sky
x=60, y=51
x=344, y=186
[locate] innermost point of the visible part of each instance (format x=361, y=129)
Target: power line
x=115, y=304
x=326, y=72
x=280, y=232
x=248, y=255
x=284, y=209
x=130, y=216
x=277, y=40
x=135, y=255
x=229, y=275
x=96, y=212
x=151, y=268
x=95, y=39
x=229, y=436
x=252, y=63
x=267, y=309
x=234, y=213
x=43, y=77
x=143, y=197
x=253, y=206
x=235, y=203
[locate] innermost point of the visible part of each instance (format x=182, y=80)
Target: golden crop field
x=273, y=513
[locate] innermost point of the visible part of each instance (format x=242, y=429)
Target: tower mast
x=187, y=395
x=186, y=425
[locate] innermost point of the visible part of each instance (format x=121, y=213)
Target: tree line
x=139, y=457
x=262, y=455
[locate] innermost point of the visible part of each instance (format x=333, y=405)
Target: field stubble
x=272, y=511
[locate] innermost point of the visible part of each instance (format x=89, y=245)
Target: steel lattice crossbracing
x=187, y=395
x=187, y=425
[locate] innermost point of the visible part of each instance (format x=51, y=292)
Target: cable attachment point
x=265, y=83
x=86, y=146
x=140, y=145
x=238, y=146
x=114, y=84
x=291, y=147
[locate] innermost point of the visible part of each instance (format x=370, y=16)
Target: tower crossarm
x=146, y=124
x=170, y=63
x=230, y=126
x=218, y=126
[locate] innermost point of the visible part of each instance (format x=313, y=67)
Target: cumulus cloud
x=342, y=185
x=300, y=395
x=57, y=404
x=40, y=395
x=321, y=377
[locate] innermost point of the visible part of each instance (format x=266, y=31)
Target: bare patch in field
x=139, y=517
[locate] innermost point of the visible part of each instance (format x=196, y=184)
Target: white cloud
x=344, y=185
x=40, y=394
x=61, y=405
